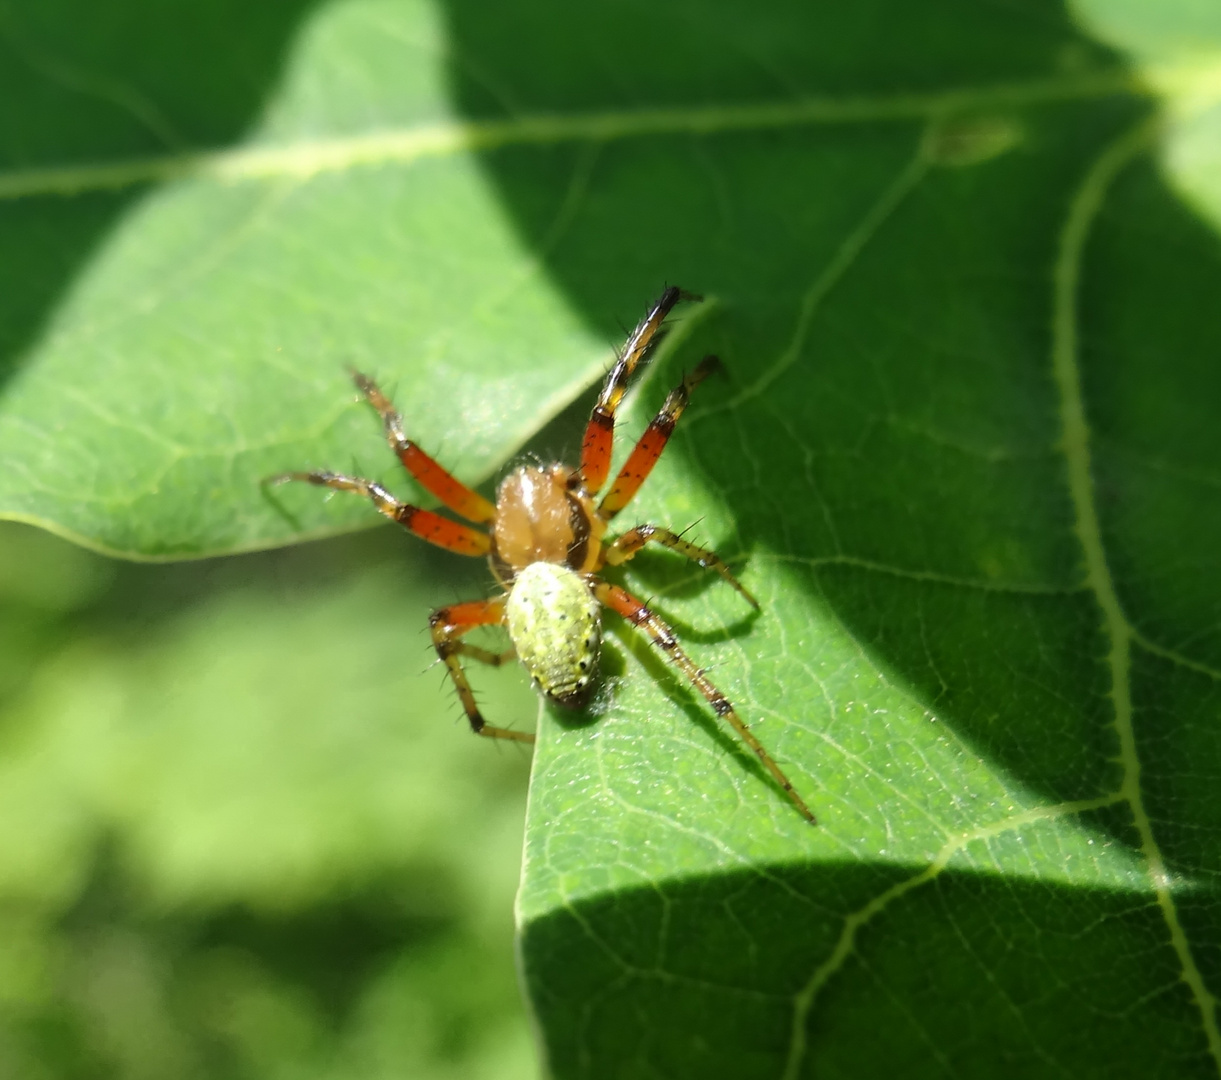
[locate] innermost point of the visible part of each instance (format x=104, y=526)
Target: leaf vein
x=307, y=159
x=842, y=951
x=1075, y=445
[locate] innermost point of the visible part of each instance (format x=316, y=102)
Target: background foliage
x=957, y=258
x=223, y=854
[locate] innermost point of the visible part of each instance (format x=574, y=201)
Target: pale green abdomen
x=555, y=624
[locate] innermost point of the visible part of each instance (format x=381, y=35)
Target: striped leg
x=627, y=545
x=451, y=535
x=431, y=476
x=622, y=602
x=599, y=434
x=448, y=624
x=645, y=453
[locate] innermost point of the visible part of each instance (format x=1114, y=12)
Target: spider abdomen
x=555, y=623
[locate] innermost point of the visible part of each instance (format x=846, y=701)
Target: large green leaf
x=966, y=457
x=200, y=328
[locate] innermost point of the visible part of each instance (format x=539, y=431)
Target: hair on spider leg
x=435, y=662
x=460, y=719
x=357, y=470
x=368, y=379
x=687, y=528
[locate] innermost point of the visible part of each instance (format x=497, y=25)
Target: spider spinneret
x=547, y=543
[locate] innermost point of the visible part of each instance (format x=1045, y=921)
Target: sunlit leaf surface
x=959, y=262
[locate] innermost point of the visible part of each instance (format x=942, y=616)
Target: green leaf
x=965, y=455
x=201, y=326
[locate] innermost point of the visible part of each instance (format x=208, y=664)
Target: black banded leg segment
x=622, y=602
x=447, y=626
x=599, y=433
x=431, y=476
x=626, y=546
x=451, y=535
x=652, y=443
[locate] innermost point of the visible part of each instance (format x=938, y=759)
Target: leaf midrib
x=305, y=159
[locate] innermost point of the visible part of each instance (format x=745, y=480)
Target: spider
x=546, y=542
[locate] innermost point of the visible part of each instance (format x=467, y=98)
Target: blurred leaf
x=966, y=456
x=239, y=838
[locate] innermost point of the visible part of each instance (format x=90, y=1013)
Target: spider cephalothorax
x=546, y=542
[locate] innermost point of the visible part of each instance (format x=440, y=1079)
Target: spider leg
x=599, y=434
x=484, y=656
x=626, y=546
x=451, y=535
x=622, y=602
x=447, y=625
x=645, y=453
x=432, y=477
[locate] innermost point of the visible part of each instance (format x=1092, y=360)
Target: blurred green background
x=244, y=830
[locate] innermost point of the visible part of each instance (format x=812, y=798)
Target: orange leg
x=627, y=545
x=637, y=614
x=646, y=452
x=599, y=434
x=448, y=624
x=432, y=477
x=451, y=535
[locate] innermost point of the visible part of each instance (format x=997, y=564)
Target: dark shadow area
x=1068, y=992
x=1150, y=372
x=329, y=949
x=673, y=209
x=90, y=84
